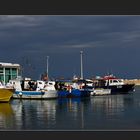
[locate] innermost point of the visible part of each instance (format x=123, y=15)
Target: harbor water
x=107, y=112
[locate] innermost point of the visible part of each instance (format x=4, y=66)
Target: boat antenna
x=81, y=55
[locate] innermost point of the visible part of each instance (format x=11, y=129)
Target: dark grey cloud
x=110, y=43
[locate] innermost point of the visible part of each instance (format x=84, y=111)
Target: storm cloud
x=109, y=44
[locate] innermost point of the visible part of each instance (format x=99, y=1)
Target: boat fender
x=20, y=93
x=80, y=86
x=69, y=88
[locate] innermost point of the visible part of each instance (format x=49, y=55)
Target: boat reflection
x=49, y=114
x=5, y=109
x=96, y=112
x=111, y=105
x=72, y=104
x=33, y=114
x=6, y=116
x=75, y=110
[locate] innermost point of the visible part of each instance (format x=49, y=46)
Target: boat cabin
x=112, y=81
x=31, y=85
x=108, y=81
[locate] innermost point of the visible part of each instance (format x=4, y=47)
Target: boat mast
x=81, y=54
x=48, y=66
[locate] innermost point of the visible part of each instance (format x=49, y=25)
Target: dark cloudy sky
x=109, y=44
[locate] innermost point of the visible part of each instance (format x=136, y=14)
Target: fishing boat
x=69, y=89
x=116, y=85
x=89, y=84
x=31, y=89
x=5, y=93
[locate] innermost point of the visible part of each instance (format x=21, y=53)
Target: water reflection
x=72, y=113
x=6, y=116
x=60, y=114
x=111, y=112
x=34, y=114
x=112, y=105
x=97, y=112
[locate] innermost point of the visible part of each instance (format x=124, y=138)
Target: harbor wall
x=132, y=81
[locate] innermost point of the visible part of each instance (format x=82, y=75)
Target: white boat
x=29, y=89
x=49, y=88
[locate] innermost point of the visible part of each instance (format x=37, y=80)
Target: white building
x=8, y=71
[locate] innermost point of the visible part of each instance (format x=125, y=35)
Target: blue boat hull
x=73, y=93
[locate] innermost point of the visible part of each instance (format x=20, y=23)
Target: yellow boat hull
x=6, y=94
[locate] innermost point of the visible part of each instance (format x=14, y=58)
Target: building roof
x=9, y=65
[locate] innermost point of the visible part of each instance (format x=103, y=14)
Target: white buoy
x=20, y=93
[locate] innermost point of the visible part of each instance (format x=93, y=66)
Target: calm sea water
x=109, y=112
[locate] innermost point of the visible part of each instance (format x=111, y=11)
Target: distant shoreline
x=132, y=81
